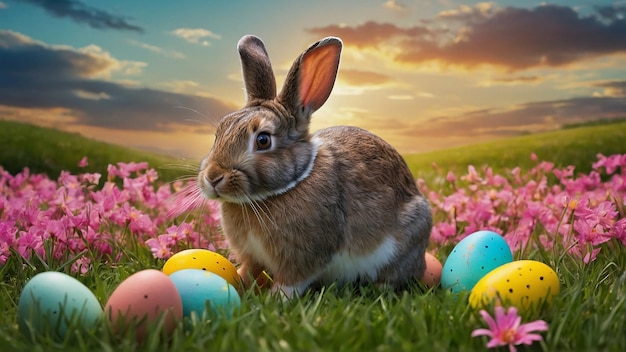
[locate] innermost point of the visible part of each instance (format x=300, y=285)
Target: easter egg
x=53, y=301
x=204, y=293
x=205, y=260
x=142, y=300
x=525, y=284
x=432, y=273
x=472, y=258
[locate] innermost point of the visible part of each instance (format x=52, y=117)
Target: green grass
x=588, y=315
x=50, y=151
x=573, y=146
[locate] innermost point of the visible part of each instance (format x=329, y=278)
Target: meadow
x=551, y=196
x=50, y=151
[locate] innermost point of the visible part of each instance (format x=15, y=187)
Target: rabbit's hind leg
x=413, y=233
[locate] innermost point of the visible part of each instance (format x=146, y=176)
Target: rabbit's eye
x=263, y=141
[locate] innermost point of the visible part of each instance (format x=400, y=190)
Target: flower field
x=100, y=228
x=545, y=209
x=75, y=219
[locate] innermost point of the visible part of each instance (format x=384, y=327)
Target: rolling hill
x=50, y=151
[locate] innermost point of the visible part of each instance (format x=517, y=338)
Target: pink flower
x=587, y=232
x=81, y=265
x=533, y=157
x=443, y=233
x=620, y=230
x=29, y=241
x=506, y=329
x=610, y=164
x=450, y=177
x=160, y=246
x=472, y=175
x=138, y=220
x=603, y=214
x=83, y=162
x=91, y=178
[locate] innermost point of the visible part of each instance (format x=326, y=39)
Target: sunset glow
x=423, y=74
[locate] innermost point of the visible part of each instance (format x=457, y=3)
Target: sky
x=423, y=74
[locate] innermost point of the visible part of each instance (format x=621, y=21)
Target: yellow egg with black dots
x=204, y=259
x=525, y=284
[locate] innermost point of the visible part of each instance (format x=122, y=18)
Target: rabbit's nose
x=214, y=175
x=215, y=180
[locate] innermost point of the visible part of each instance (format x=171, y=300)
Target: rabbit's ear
x=258, y=76
x=312, y=76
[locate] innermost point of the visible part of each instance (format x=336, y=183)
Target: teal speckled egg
x=204, y=293
x=52, y=301
x=472, y=258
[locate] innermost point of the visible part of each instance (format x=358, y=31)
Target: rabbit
x=336, y=206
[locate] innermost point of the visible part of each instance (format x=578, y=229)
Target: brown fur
x=358, y=193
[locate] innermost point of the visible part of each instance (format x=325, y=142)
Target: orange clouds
x=369, y=34
x=510, y=38
x=361, y=78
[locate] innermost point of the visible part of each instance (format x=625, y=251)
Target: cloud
x=395, y=6
x=524, y=118
x=370, y=34
x=357, y=82
x=357, y=116
x=85, y=14
x=39, y=76
x=465, y=13
x=3, y=5
x=196, y=35
x=512, y=80
x=180, y=86
x=518, y=79
x=25, y=57
x=363, y=78
x=510, y=38
x=158, y=50
x=401, y=97
x=616, y=11
x=612, y=88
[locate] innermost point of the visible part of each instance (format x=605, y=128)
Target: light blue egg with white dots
x=204, y=293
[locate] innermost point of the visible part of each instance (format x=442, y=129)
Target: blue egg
x=52, y=302
x=204, y=293
x=472, y=258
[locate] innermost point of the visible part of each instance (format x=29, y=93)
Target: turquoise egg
x=204, y=293
x=472, y=258
x=52, y=301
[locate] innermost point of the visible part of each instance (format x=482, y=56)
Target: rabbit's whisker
x=269, y=233
x=258, y=212
x=246, y=217
x=266, y=213
x=211, y=120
